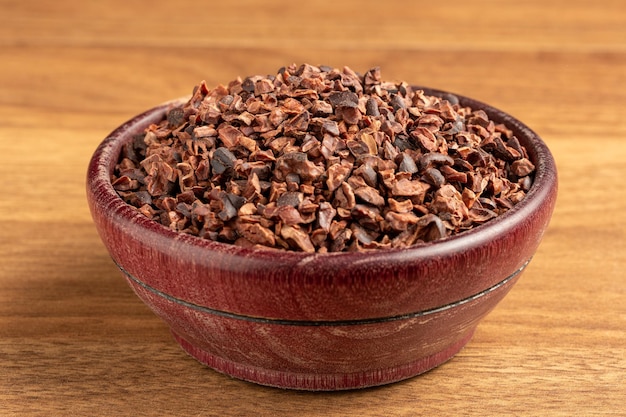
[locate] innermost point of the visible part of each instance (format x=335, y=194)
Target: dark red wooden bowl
x=321, y=321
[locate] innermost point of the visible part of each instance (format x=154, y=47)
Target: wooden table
x=75, y=340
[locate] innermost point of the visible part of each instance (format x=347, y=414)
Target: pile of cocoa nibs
x=319, y=159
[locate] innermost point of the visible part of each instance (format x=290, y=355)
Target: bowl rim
x=544, y=187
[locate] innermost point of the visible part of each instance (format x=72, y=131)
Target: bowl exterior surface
x=352, y=306
x=322, y=355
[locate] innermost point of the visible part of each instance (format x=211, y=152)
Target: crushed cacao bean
x=319, y=159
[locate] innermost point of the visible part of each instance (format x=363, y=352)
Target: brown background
x=74, y=340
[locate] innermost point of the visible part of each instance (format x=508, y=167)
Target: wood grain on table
x=75, y=340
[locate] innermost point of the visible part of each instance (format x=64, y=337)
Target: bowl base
x=322, y=382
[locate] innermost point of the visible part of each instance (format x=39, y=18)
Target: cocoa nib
x=343, y=99
x=321, y=159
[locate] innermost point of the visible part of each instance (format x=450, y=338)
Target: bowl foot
x=325, y=381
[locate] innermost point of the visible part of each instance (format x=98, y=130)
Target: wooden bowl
x=321, y=321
